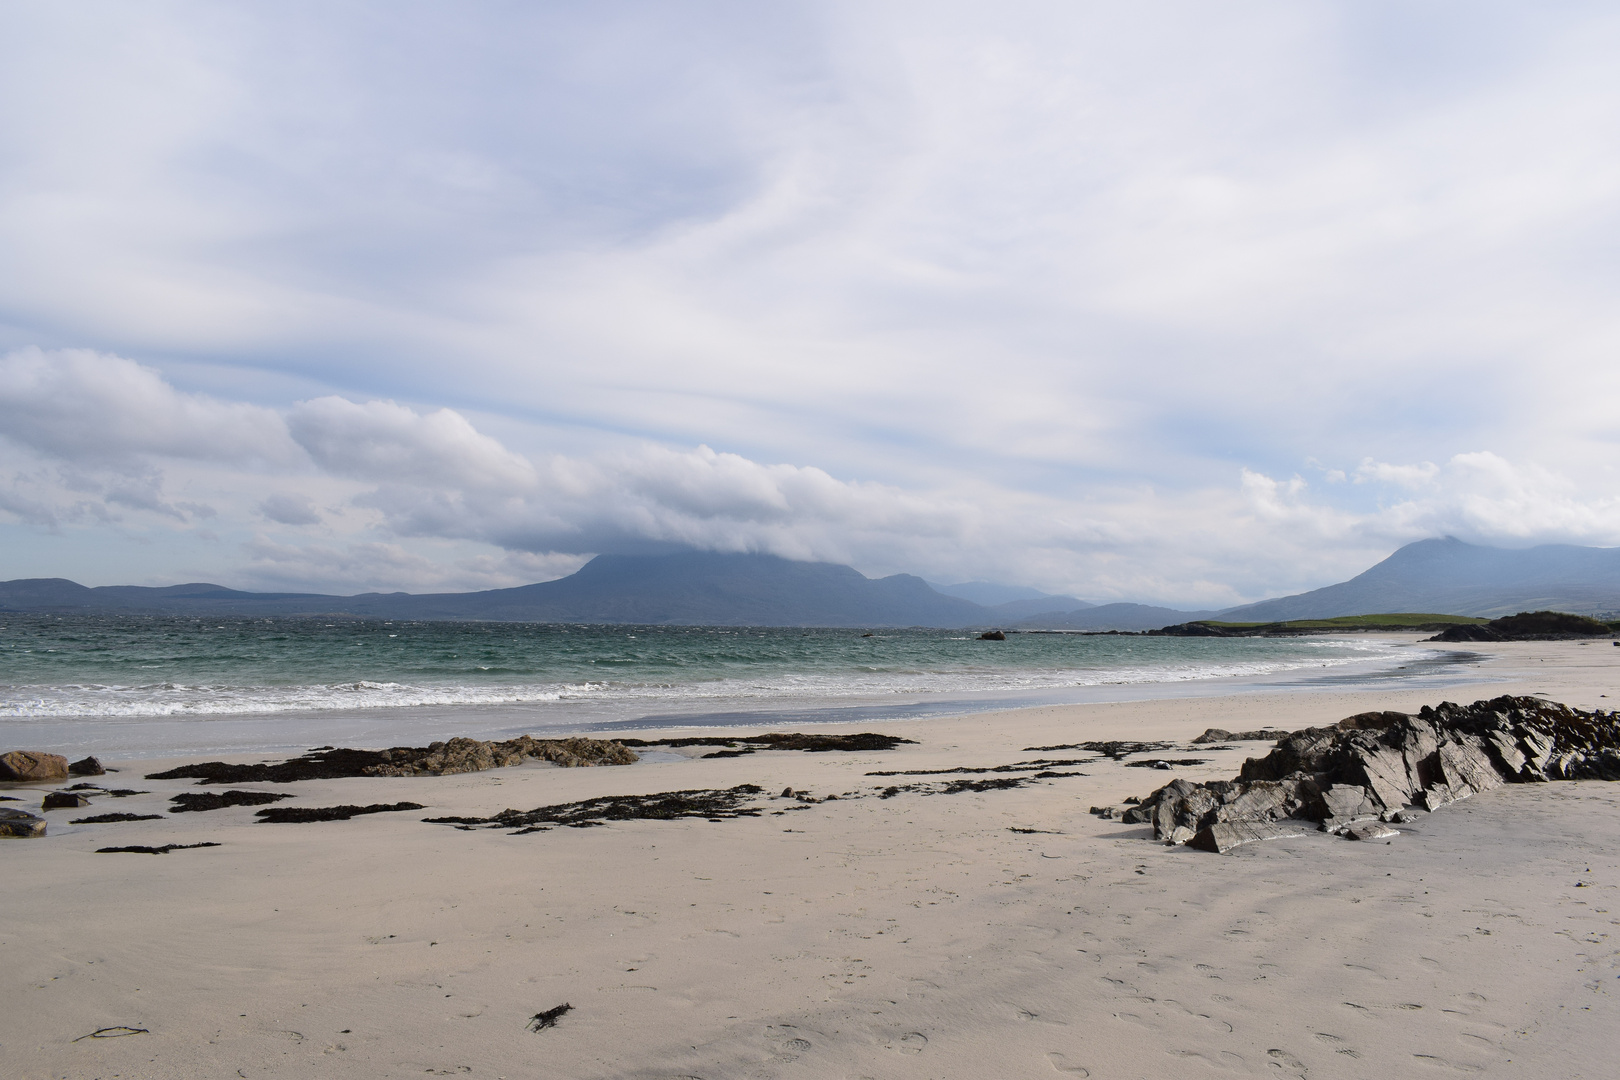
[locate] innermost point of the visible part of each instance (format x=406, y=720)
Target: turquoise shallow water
x=184, y=684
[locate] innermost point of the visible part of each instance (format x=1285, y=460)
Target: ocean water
x=144, y=686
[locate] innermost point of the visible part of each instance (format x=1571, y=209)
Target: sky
x=1180, y=302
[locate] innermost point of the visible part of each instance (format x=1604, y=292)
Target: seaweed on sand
x=99, y=819
x=139, y=849
x=299, y=814
x=198, y=801
x=1110, y=749
x=957, y=787
x=440, y=758
x=712, y=804
x=1165, y=763
x=327, y=765
x=1017, y=766
x=548, y=1019
x=747, y=744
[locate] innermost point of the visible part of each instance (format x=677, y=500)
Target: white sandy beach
x=915, y=936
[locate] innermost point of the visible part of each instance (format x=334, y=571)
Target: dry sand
x=916, y=936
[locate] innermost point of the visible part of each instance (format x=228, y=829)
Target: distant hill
x=1456, y=578
x=688, y=588
x=709, y=589
x=1113, y=617
x=1011, y=601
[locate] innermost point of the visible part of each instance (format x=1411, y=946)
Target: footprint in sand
x=913, y=1042
x=1064, y=1064
x=1435, y=1059
x=1337, y=1044
x=1283, y=1060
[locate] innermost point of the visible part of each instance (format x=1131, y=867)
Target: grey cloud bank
x=1189, y=305
x=394, y=476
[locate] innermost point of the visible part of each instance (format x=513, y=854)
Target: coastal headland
x=934, y=899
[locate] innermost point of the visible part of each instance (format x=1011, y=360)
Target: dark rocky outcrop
x=1529, y=626
x=1375, y=765
x=32, y=767
x=1193, y=629
x=471, y=755
x=90, y=766
x=438, y=759
x=992, y=635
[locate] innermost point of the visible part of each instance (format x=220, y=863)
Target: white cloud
x=435, y=503
x=382, y=442
x=290, y=509
x=1407, y=476
x=83, y=406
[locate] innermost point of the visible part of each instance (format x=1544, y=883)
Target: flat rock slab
x=1370, y=830
x=1223, y=836
x=32, y=766
x=19, y=824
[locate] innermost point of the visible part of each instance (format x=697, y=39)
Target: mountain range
x=1443, y=576
x=1450, y=577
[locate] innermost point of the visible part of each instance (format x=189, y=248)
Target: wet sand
x=982, y=933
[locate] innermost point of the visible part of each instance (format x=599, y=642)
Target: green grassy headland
x=1399, y=621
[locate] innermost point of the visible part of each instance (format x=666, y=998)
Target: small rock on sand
x=65, y=800
x=20, y=824
x=32, y=766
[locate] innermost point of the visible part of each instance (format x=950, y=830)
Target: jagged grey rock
x=1375, y=765
x=1222, y=836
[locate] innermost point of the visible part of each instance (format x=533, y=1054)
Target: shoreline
x=994, y=931
x=119, y=738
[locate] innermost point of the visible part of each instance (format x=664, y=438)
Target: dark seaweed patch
x=320, y=765
x=814, y=744
x=297, y=814
x=1111, y=749
x=710, y=804
x=198, y=801
x=138, y=849
x=1020, y=766
x=957, y=787
x=100, y=819
x=548, y=1019
x=1165, y=763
